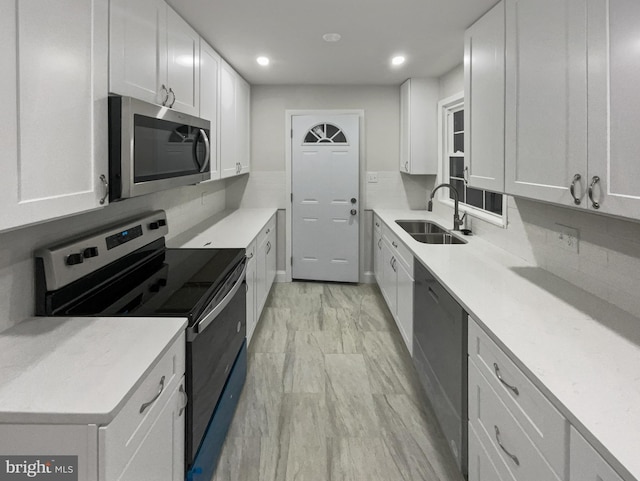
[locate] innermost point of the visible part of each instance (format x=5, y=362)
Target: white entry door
x=326, y=203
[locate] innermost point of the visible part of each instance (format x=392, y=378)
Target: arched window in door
x=325, y=134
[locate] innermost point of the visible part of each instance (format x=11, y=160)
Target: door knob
x=354, y=212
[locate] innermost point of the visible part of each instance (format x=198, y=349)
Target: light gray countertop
x=581, y=351
x=230, y=228
x=61, y=370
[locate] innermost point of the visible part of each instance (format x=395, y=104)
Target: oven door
x=212, y=347
x=154, y=148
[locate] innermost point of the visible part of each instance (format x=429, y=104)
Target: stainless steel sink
x=429, y=232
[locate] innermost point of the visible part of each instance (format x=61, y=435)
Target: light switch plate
x=372, y=177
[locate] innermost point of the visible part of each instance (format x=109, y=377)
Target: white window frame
x=446, y=108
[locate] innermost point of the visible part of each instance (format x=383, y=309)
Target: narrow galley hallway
x=332, y=395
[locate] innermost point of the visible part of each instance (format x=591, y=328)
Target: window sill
x=500, y=221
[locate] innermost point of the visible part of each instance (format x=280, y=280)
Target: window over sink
x=484, y=204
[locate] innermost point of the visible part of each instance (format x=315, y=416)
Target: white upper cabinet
x=138, y=49
x=419, y=126
x=154, y=55
x=546, y=99
x=209, y=92
x=614, y=107
x=183, y=64
x=484, y=72
x=234, y=123
x=53, y=136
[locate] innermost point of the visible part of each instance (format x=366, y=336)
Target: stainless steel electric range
x=126, y=270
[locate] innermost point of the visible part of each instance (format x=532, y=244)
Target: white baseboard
x=281, y=276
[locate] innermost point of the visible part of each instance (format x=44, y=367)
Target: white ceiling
x=429, y=33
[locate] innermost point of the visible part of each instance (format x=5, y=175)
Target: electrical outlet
x=568, y=238
x=372, y=177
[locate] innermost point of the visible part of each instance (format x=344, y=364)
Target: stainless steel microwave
x=153, y=148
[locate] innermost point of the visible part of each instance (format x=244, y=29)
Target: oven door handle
x=202, y=325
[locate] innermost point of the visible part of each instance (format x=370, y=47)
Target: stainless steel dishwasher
x=440, y=357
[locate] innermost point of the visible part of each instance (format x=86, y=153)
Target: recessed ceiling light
x=264, y=61
x=331, y=37
x=397, y=60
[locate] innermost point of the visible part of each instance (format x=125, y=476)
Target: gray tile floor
x=331, y=395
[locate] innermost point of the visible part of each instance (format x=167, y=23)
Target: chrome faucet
x=457, y=222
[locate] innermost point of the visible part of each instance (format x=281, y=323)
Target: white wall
x=266, y=184
x=185, y=206
x=607, y=263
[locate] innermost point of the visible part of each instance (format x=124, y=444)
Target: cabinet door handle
x=186, y=400
x=164, y=102
x=465, y=174
x=250, y=256
x=513, y=457
x=105, y=184
x=147, y=404
x=572, y=189
x=499, y=376
x=268, y=247
x=393, y=264
x=379, y=242
x=377, y=224
x=406, y=166
x=594, y=180
x=393, y=243
x=268, y=230
x=174, y=97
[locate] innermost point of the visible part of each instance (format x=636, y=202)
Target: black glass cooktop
x=168, y=283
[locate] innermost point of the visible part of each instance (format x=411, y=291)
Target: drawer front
x=496, y=427
x=481, y=465
x=400, y=251
x=266, y=230
x=119, y=440
x=542, y=422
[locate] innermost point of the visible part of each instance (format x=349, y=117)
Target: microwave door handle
x=207, y=147
x=202, y=325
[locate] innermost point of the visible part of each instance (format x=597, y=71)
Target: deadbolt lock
x=353, y=200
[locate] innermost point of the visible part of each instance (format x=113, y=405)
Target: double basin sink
x=429, y=232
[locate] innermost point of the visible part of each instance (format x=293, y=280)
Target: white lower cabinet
x=145, y=439
x=393, y=265
x=586, y=463
x=481, y=466
x=252, y=320
x=160, y=454
x=263, y=272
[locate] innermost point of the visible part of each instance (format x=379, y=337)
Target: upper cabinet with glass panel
x=325, y=134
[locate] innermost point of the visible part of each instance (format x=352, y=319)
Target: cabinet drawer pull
x=105, y=184
x=147, y=404
x=572, y=189
x=250, y=256
x=434, y=295
x=499, y=376
x=164, y=102
x=186, y=400
x=594, y=180
x=379, y=242
x=393, y=243
x=268, y=230
x=394, y=264
x=512, y=456
x=377, y=224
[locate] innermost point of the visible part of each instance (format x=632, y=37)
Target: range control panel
x=77, y=257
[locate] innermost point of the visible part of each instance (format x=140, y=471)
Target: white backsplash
x=607, y=260
x=185, y=207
